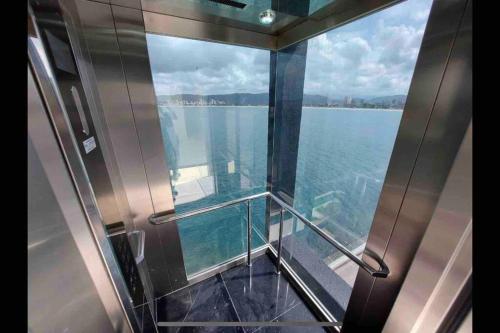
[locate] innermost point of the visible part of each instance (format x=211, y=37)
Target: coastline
x=349, y=109
x=265, y=106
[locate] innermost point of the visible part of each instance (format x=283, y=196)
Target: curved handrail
x=383, y=272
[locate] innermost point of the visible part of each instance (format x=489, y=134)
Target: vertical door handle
x=79, y=108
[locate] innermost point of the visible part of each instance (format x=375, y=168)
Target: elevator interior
x=200, y=185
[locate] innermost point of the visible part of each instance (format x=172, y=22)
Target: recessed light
x=267, y=16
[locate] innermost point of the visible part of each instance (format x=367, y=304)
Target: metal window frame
x=162, y=24
x=443, y=263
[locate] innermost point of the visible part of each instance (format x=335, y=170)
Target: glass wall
x=213, y=107
x=356, y=81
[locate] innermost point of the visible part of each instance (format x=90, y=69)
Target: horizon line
x=222, y=94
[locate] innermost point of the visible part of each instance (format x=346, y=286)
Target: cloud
x=420, y=15
x=197, y=67
x=373, y=56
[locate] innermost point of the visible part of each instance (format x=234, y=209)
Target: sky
x=373, y=56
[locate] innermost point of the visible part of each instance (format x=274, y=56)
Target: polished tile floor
x=242, y=294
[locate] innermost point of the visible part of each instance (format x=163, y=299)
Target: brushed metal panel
x=111, y=113
x=187, y=28
x=132, y=40
x=135, y=60
x=59, y=119
x=439, y=105
x=55, y=37
x=444, y=258
x=83, y=62
x=61, y=293
x=68, y=284
x=246, y=19
x=189, y=19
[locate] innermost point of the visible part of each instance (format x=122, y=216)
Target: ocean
x=220, y=153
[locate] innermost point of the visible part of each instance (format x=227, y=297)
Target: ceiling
x=237, y=21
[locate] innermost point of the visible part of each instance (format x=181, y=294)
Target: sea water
x=220, y=153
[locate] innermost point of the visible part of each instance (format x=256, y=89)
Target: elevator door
x=53, y=57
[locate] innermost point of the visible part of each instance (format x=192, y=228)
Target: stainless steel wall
x=443, y=262
x=115, y=64
x=69, y=288
x=91, y=28
x=437, y=114
x=39, y=126
x=131, y=36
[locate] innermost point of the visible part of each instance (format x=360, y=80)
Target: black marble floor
x=240, y=294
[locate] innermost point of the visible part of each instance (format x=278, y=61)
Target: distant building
x=347, y=101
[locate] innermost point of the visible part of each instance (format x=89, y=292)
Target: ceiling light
x=267, y=16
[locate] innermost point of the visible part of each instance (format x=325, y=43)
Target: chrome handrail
x=383, y=272
x=164, y=217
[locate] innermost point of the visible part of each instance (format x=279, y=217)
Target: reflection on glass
x=212, y=103
x=327, y=274
x=360, y=74
x=315, y=5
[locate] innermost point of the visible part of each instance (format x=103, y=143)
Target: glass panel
x=315, y=5
x=213, y=107
x=327, y=272
x=214, y=237
x=359, y=75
